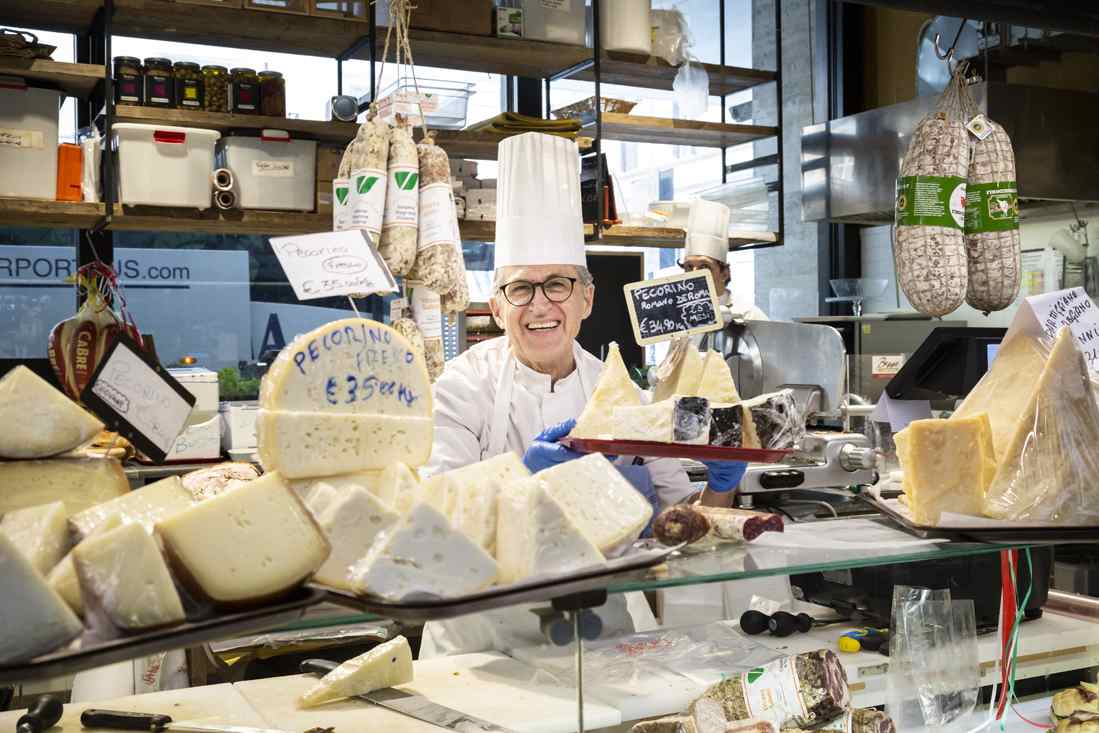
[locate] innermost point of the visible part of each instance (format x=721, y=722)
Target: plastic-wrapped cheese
x=37, y=420
x=40, y=532
x=145, y=506
x=349, y=396
x=35, y=619
x=383, y=666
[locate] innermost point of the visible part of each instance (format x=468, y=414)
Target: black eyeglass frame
x=535, y=286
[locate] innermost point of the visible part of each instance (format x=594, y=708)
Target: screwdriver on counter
x=864, y=639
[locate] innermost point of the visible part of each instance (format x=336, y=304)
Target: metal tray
x=189, y=633
x=645, y=554
x=1009, y=535
x=654, y=449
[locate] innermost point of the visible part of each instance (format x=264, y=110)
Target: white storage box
x=203, y=384
x=238, y=425
x=28, y=141
x=164, y=166
x=198, y=442
x=271, y=171
x=565, y=23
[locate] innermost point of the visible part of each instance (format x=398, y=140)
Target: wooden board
x=666, y=131
x=76, y=80
x=212, y=221
x=339, y=132
x=48, y=214
x=652, y=72
x=672, y=237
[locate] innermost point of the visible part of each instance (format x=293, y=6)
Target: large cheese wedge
x=614, y=389
x=311, y=444
x=145, y=506
x=1005, y=391
x=37, y=420
x=475, y=488
x=247, y=546
x=351, y=521
x=124, y=581
x=63, y=577
x=716, y=383
x=674, y=420
x=1048, y=471
x=79, y=482
x=352, y=395
x=424, y=555
x=386, y=665
x=535, y=536
x=948, y=466
x=606, y=508
x=398, y=486
x=40, y=532
x=35, y=619
x=685, y=376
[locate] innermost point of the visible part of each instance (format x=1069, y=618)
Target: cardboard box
x=480, y=197
x=474, y=17
x=328, y=162
x=463, y=168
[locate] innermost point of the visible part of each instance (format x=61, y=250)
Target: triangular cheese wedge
x=1005, y=390
x=386, y=665
x=40, y=421
x=685, y=376
x=716, y=383
x=1048, y=470
x=352, y=521
x=398, y=486
x=615, y=389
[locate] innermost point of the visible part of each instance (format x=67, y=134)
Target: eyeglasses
x=557, y=289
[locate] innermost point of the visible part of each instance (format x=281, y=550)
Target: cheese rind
x=675, y=420
x=684, y=378
x=352, y=522
x=63, y=578
x=424, y=554
x=386, y=665
x=41, y=533
x=250, y=545
x=314, y=444
x=207, y=482
x=606, y=508
x=716, y=383
x=35, y=619
x=615, y=389
x=731, y=426
x=79, y=482
x=37, y=420
x=146, y=506
x=535, y=536
x=125, y=582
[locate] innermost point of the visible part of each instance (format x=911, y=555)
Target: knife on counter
x=414, y=706
x=123, y=720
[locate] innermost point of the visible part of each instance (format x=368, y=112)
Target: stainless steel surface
x=765, y=356
x=420, y=708
x=1071, y=603
x=852, y=458
x=827, y=460
x=850, y=165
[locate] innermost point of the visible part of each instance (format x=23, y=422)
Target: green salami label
x=937, y=201
x=992, y=207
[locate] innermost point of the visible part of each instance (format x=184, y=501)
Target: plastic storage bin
x=28, y=142
x=565, y=24
x=271, y=171
x=164, y=166
x=443, y=103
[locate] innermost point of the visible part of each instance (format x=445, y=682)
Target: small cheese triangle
x=351, y=522
x=383, y=666
x=716, y=383
x=37, y=420
x=1048, y=470
x=615, y=389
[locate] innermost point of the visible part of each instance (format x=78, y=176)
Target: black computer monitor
x=947, y=364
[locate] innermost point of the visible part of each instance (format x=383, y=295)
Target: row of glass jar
x=184, y=85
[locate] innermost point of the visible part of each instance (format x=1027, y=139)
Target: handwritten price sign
x=333, y=263
x=1075, y=309
x=666, y=307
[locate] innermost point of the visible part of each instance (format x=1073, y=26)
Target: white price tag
x=22, y=139
x=273, y=168
x=885, y=366
x=333, y=263
x=979, y=127
x=1075, y=309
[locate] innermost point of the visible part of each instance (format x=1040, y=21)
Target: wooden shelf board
x=477, y=231
x=340, y=132
x=669, y=237
x=665, y=131
x=213, y=221
x=652, y=72
x=478, y=145
x=75, y=80
x=48, y=214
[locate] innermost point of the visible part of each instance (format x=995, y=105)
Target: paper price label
x=1075, y=309
x=21, y=139
x=333, y=263
x=273, y=168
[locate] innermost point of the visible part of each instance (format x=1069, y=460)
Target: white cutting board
x=212, y=703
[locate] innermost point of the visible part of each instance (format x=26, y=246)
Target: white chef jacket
x=487, y=402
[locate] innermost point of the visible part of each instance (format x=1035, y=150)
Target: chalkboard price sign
x=667, y=307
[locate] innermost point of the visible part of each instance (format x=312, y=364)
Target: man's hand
x=546, y=452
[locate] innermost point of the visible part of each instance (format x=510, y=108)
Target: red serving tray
x=655, y=449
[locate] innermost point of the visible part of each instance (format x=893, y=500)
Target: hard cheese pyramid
x=716, y=383
x=615, y=389
x=684, y=378
x=1048, y=469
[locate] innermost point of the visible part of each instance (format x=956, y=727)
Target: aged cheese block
x=606, y=508
x=246, y=546
x=35, y=619
x=40, y=532
x=716, y=383
x=615, y=389
x=352, y=521
x=124, y=581
x=37, y=420
x=386, y=665
x=79, y=482
x=535, y=536
x=675, y=420
x=63, y=576
x=146, y=506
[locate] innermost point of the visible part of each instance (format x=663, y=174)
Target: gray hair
x=582, y=273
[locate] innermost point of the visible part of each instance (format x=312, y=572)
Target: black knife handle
x=317, y=666
x=123, y=720
x=45, y=714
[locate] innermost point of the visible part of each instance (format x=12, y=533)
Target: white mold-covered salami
x=369, y=161
x=397, y=244
x=439, y=264
x=992, y=223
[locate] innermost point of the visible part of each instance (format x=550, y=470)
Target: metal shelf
x=652, y=72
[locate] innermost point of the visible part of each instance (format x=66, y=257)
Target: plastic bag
x=777, y=420
x=692, y=90
x=934, y=666
x=670, y=36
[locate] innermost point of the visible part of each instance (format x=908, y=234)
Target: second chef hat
x=708, y=230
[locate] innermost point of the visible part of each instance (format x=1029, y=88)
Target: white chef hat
x=539, y=220
x=708, y=229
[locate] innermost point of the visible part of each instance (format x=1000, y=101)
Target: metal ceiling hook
x=948, y=55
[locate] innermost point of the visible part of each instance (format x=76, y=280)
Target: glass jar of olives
x=159, y=83
x=216, y=80
x=245, y=92
x=272, y=88
x=190, y=86
x=129, y=83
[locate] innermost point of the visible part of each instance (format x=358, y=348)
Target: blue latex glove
x=546, y=452
x=725, y=475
